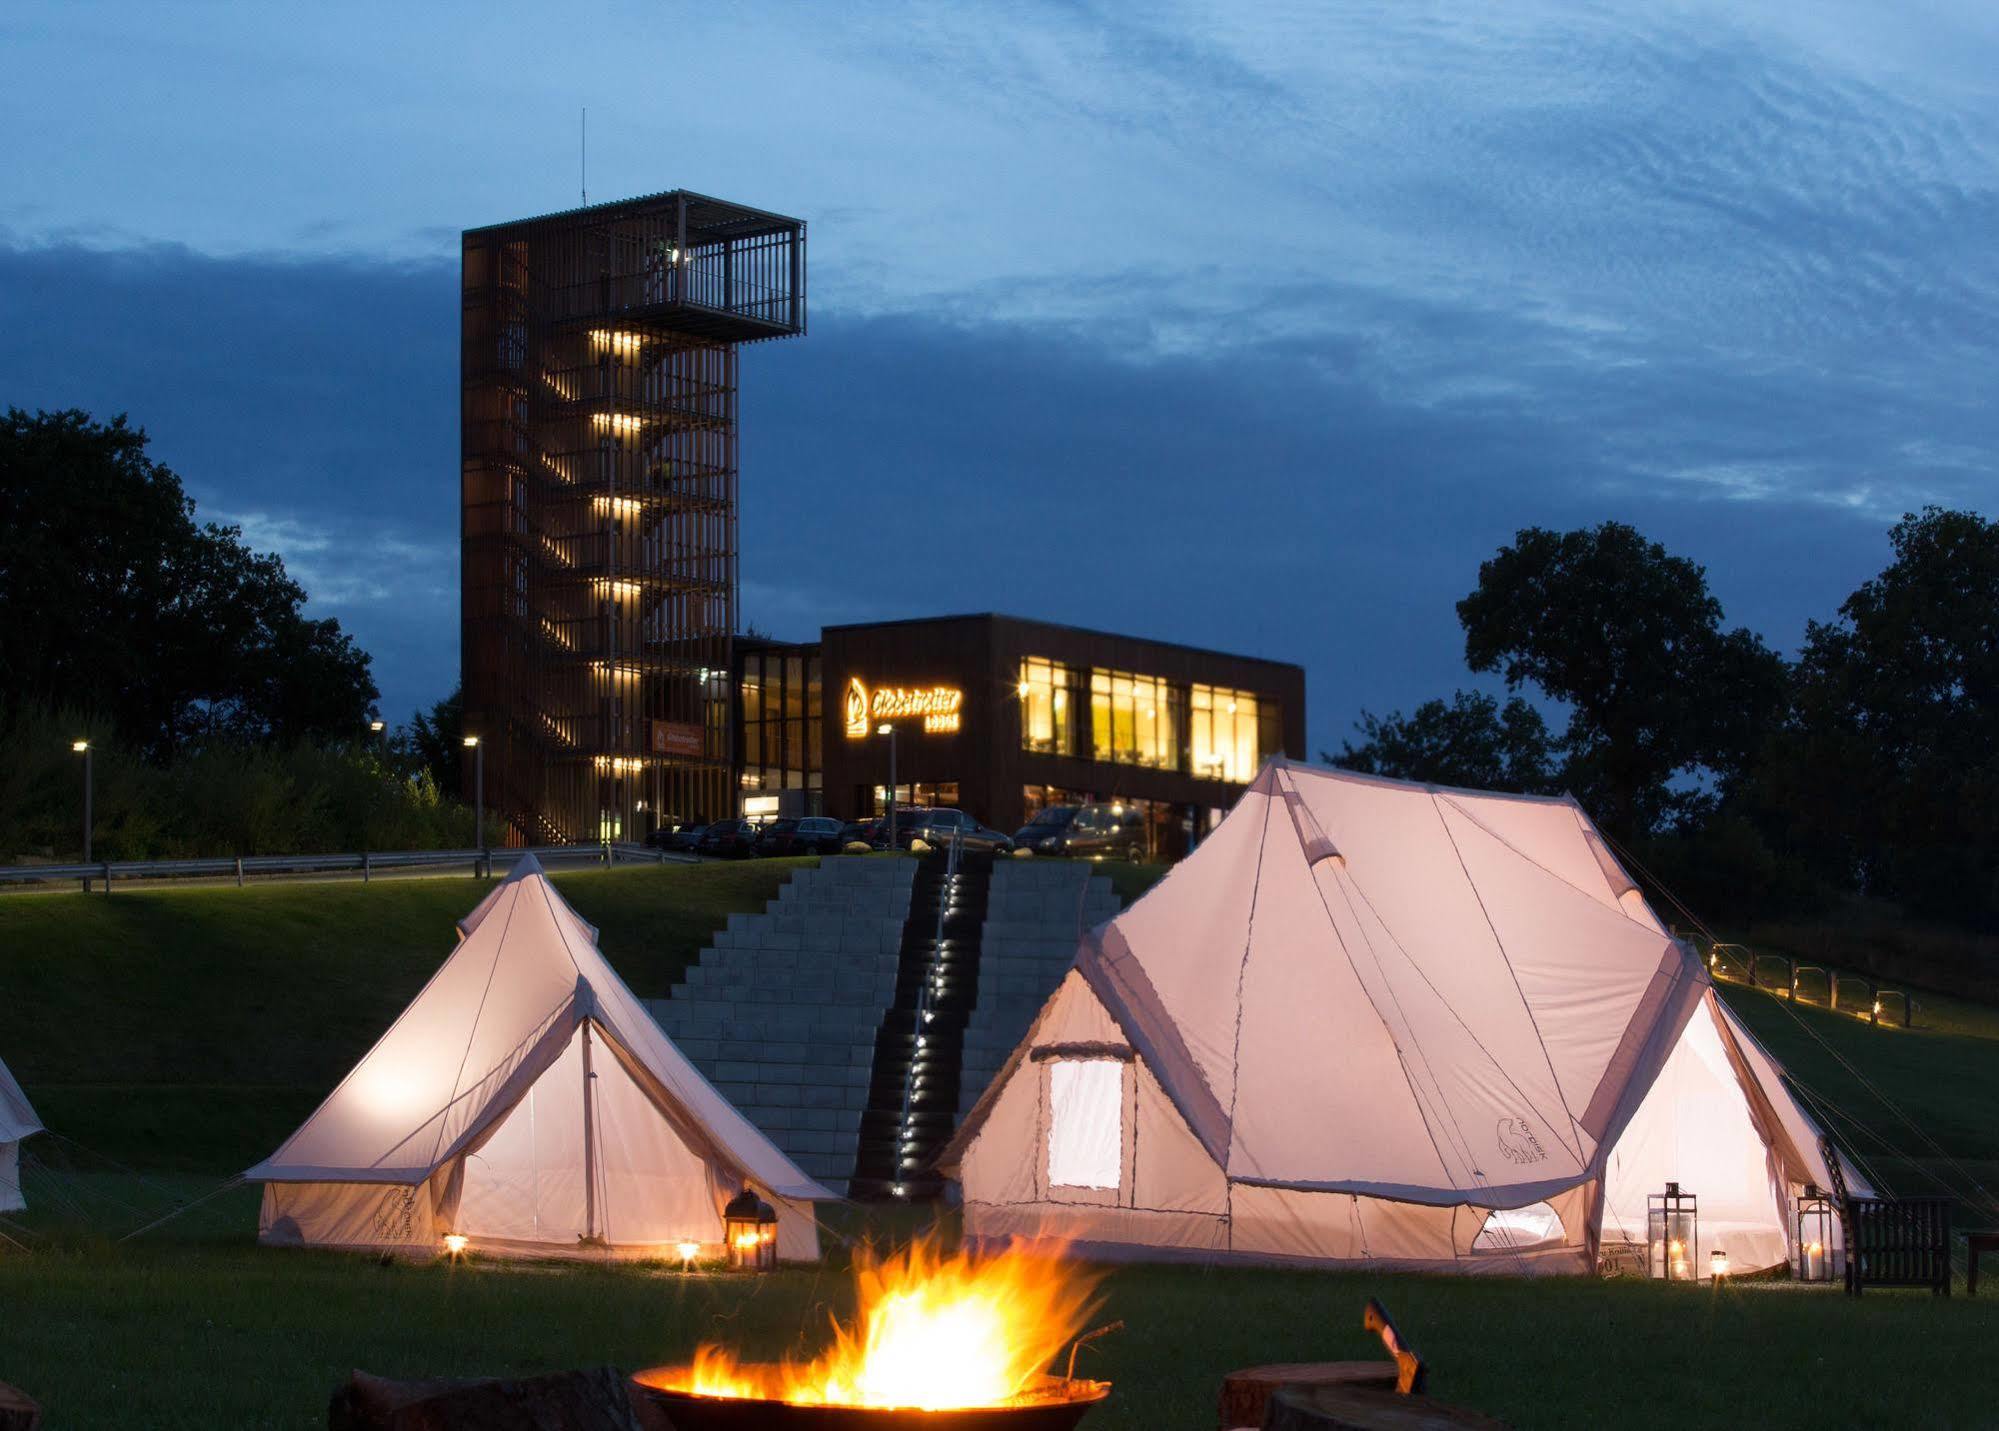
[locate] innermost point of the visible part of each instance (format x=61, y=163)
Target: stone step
x=721, y=1018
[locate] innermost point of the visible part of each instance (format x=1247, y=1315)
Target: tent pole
x=589, y=1144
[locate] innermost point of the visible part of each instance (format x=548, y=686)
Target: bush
x=224, y=799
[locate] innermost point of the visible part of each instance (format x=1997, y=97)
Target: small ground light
x=688, y=1251
x=455, y=1243
x=1717, y=1266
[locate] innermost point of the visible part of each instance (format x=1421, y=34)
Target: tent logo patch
x=395, y=1218
x=1517, y=1143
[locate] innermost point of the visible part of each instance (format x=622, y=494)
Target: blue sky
x=1246, y=326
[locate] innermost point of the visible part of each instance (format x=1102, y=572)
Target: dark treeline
x=222, y=718
x=1751, y=785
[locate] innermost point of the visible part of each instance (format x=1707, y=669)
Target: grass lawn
x=194, y=1328
x=185, y=1032
x=195, y=1028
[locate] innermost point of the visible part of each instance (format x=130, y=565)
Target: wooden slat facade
x=599, y=578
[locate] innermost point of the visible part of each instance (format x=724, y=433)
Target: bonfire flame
x=931, y=1332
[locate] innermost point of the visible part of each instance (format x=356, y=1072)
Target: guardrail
x=368, y=863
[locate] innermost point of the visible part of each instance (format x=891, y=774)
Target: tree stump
x=1246, y=1393
x=594, y=1400
x=18, y=1411
x=1362, y=1408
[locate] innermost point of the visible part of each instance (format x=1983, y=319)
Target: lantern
x=749, y=1228
x=1672, y=1235
x=1717, y=1265
x=1814, y=1244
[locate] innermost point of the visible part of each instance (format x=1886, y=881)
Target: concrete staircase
x=1036, y=914
x=782, y=1013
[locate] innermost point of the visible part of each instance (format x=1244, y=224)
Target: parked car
x=861, y=832
x=937, y=828
x=1106, y=832
x=877, y=828
x=1043, y=834
x=728, y=839
x=671, y=833
x=811, y=835
x=687, y=838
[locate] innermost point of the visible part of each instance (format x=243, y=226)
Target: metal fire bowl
x=1063, y=1403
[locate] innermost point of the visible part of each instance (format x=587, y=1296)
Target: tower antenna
x=583, y=160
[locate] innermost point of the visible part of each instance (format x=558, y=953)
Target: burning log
x=944, y=1343
x=595, y=1400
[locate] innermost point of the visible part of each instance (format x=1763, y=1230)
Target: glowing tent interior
x=17, y=1123
x=526, y=1102
x=1393, y=1023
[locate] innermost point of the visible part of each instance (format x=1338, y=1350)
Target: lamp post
x=82, y=748
x=479, y=794
x=887, y=728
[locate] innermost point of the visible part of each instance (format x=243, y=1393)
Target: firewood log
x=1247, y=1392
x=18, y=1411
x=594, y=1400
x=1359, y=1408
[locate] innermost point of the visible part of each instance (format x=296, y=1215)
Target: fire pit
x=1054, y=1404
x=940, y=1343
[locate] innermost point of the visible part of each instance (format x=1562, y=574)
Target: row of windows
x=781, y=695
x=1136, y=719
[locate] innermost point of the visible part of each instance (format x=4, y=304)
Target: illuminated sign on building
x=940, y=708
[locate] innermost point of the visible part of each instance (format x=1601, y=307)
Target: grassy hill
x=187, y=1031
x=192, y=1029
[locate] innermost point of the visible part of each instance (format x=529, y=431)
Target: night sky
x=1246, y=326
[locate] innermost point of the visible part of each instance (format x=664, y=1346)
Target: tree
x=1470, y=741
x=114, y=600
x=1666, y=709
x=1889, y=771
x=435, y=740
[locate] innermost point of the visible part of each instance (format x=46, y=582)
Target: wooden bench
x=1898, y=1242
x=1891, y=1242
x=1976, y=1243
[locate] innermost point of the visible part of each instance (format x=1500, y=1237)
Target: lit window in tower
x=625, y=345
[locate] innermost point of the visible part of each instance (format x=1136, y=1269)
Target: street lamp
x=888, y=729
x=82, y=748
x=479, y=786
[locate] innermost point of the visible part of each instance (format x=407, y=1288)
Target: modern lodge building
x=602, y=670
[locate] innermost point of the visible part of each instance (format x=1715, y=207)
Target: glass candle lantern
x=1672, y=1235
x=1814, y=1236
x=749, y=1229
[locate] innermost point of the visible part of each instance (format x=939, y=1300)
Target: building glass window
x=922, y=795
x=1047, y=721
x=781, y=744
x=1134, y=720
x=1226, y=734
x=1036, y=798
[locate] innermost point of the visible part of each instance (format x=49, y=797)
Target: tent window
x=1508, y=1229
x=1086, y=1123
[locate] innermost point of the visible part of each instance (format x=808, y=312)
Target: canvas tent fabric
x=471, y=1115
x=525, y=866
x=18, y=1122
x=1368, y=1020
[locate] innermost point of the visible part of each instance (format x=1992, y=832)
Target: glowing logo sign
x=940, y=708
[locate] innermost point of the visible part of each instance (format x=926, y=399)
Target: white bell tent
x=528, y=1103
x=1383, y=1022
x=17, y=1123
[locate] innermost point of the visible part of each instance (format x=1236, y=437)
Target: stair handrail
x=953, y=855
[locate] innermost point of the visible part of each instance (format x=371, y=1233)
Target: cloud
x=1250, y=326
